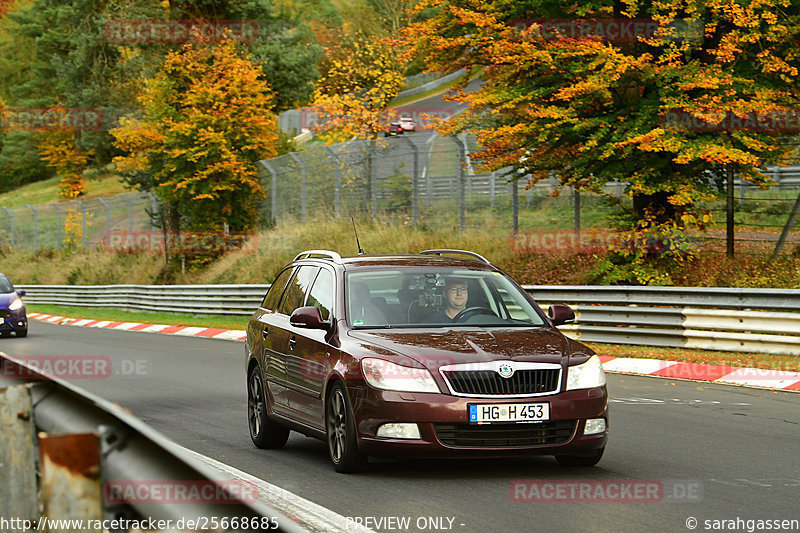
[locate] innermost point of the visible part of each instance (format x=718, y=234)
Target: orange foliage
x=59, y=151
x=207, y=121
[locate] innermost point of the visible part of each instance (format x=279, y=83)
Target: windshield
x=436, y=297
x=5, y=285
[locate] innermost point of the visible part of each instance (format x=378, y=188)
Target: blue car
x=12, y=310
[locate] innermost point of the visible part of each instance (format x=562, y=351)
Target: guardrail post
x=303, y=178
x=70, y=477
x=35, y=227
x=336, y=181
x=58, y=227
x=18, y=496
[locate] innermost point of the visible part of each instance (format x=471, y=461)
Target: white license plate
x=485, y=413
x=2, y=320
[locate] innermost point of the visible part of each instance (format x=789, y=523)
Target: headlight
x=16, y=304
x=587, y=375
x=389, y=376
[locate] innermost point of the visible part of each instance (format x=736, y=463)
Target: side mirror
x=560, y=314
x=308, y=317
x=20, y=293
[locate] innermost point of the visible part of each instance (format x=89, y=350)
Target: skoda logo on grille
x=505, y=371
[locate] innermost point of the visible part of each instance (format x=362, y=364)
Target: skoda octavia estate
x=438, y=354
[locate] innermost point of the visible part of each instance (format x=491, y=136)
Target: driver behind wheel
x=454, y=297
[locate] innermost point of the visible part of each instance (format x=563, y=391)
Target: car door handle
x=292, y=343
x=264, y=333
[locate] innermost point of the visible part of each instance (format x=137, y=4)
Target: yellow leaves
x=206, y=122
x=59, y=151
x=360, y=78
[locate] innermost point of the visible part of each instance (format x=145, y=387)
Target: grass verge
x=46, y=191
x=746, y=360
x=144, y=317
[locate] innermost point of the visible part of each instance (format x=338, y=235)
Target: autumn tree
x=59, y=151
x=591, y=108
x=360, y=77
x=206, y=121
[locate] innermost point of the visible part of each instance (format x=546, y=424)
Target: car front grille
x=505, y=435
x=5, y=313
x=490, y=383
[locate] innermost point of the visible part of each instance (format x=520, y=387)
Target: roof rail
x=319, y=254
x=473, y=255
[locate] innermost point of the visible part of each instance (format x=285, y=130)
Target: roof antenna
x=360, y=250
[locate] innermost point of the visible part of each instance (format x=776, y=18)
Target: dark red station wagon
x=427, y=355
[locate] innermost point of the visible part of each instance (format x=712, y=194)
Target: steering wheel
x=466, y=314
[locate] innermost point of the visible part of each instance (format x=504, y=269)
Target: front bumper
x=13, y=322
x=445, y=430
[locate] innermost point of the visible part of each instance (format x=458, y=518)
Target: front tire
x=580, y=460
x=22, y=332
x=263, y=432
x=341, y=431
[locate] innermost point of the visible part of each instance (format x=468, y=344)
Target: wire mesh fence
x=418, y=178
x=423, y=178
x=84, y=223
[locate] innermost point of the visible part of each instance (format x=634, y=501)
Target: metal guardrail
x=84, y=443
x=707, y=318
x=729, y=319
x=195, y=299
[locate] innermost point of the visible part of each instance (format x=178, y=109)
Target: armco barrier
x=730, y=319
x=79, y=445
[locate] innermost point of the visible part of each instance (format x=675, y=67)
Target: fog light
x=594, y=426
x=399, y=431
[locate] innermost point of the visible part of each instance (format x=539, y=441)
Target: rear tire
x=263, y=432
x=580, y=460
x=341, y=431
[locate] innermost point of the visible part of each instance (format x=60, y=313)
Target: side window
x=276, y=290
x=321, y=294
x=296, y=292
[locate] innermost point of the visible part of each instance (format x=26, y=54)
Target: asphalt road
x=733, y=449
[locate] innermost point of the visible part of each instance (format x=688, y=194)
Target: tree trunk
x=171, y=224
x=729, y=235
x=657, y=203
